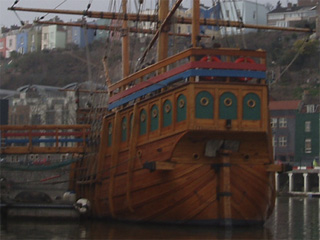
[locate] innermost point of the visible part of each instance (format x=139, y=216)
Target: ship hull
x=228, y=189
x=197, y=151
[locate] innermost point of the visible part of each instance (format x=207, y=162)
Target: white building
x=242, y=10
x=11, y=42
x=290, y=15
x=53, y=36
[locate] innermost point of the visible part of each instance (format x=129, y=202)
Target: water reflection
x=293, y=218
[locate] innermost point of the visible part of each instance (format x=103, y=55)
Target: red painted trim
x=230, y=65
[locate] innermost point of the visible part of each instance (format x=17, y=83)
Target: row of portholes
x=228, y=106
x=204, y=110
x=181, y=115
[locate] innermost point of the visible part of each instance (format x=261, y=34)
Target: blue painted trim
x=187, y=74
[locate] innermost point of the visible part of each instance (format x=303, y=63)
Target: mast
x=195, y=22
x=125, y=42
x=163, y=35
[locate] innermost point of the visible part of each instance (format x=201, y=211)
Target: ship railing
x=194, y=64
x=29, y=139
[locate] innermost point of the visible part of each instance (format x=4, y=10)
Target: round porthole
x=204, y=101
x=195, y=156
x=167, y=108
x=143, y=117
x=154, y=113
x=181, y=103
x=227, y=102
x=251, y=103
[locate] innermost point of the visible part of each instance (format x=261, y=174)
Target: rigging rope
x=294, y=58
x=54, y=8
x=240, y=20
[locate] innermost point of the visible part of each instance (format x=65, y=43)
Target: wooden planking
x=251, y=191
x=158, y=200
x=200, y=198
x=132, y=153
x=114, y=158
x=144, y=179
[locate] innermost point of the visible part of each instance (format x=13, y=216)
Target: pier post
x=277, y=182
x=290, y=181
x=305, y=182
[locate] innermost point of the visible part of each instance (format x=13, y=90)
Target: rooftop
x=284, y=105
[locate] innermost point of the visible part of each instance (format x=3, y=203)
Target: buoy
x=210, y=59
x=245, y=60
x=69, y=196
x=82, y=206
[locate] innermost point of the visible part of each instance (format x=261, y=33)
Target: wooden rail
x=30, y=139
x=180, y=59
x=208, y=64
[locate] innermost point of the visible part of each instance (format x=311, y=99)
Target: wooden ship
x=185, y=140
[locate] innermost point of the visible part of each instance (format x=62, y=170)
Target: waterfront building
x=22, y=39
x=3, y=46
x=102, y=34
x=38, y=104
x=34, y=43
x=82, y=36
x=283, y=124
x=308, y=134
x=53, y=37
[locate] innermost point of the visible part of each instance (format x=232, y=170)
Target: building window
x=227, y=14
x=274, y=122
x=238, y=13
x=307, y=126
x=307, y=145
x=310, y=108
x=274, y=141
x=282, y=141
x=282, y=122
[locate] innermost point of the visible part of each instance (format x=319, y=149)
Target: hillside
x=61, y=67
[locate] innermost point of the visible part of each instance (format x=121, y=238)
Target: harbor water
x=293, y=218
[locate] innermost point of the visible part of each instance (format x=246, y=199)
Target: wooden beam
x=278, y=168
x=224, y=186
x=159, y=165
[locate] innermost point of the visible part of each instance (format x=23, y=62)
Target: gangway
x=37, y=139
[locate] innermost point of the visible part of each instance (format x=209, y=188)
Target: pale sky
x=8, y=18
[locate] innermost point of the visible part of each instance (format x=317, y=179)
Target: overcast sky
x=8, y=18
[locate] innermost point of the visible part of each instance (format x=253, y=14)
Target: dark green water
x=293, y=218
